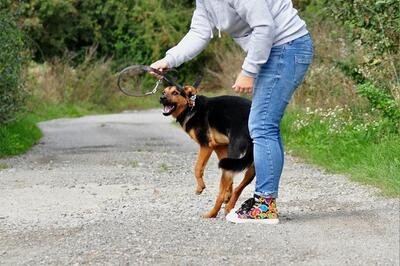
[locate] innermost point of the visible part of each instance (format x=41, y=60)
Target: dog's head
x=175, y=101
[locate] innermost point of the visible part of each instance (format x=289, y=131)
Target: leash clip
x=192, y=101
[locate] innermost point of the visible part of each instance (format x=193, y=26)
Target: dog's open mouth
x=169, y=109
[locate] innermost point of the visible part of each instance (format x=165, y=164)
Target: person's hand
x=161, y=65
x=243, y=84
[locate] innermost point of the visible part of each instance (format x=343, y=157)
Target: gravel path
x=119, y=189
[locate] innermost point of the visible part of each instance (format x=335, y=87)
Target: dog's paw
x=210, y=214
x=228, y=209
x=199, y=190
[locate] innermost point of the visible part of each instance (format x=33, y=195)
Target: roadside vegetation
x=345, y=117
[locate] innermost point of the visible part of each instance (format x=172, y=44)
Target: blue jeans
x=274, y=86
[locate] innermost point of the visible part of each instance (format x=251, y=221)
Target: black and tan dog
x=217, y=124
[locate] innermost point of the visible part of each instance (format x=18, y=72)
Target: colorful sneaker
x=255, y=210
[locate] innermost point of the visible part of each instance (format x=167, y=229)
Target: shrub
x=128, y=31
x=11, y=59
x=374, y=23
x=374, y=27
x=383, y=102
x=131, y=30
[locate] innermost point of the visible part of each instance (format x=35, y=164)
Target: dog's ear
x=190, y=91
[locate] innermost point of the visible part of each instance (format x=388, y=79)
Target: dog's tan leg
x=226, y=181
x=222, y=152
x=248, y=177
x=202, y=159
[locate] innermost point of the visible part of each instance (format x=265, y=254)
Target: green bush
x=374, y=28
x=18, y=136
x=130, y=31
x=11, y=59
x=376, y=23
x=383, y=102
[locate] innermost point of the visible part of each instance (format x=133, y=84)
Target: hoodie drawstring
x=209, y=22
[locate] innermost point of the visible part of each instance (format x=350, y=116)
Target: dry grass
x=90, y=85
x=59, y=82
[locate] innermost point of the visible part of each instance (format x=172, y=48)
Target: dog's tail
x=238, y=165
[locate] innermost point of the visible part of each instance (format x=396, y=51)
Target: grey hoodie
x=256, y=25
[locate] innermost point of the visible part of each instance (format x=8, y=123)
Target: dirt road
x=119, y=189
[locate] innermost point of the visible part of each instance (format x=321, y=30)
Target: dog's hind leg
x=248, y=177
x=226, y=181
x=228, y=194
x=222, y=152
x=202, y=159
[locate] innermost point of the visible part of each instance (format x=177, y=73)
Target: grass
x=164, y=168
x=3, y=166
x=364, y=158
x=134, y=164
x=17, y=137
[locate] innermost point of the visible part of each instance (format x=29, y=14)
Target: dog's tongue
x=168, y=108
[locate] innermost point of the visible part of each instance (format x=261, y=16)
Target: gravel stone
x=120, y=189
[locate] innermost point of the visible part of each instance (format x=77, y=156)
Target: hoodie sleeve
x=257, y=14
x=194, y=41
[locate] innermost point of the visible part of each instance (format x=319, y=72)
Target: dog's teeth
x=167, y=108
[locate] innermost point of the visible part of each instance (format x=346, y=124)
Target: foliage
x=11, y=63
x=382, y=101
x=374, y=28
x=18, y=136
x=301, y=4
x=129, y=31
x=376, y=23
x=347, y=142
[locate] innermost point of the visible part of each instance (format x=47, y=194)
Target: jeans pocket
x=302, y=62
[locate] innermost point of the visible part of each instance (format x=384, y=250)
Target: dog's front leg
x=222, y=152
x=202, y=159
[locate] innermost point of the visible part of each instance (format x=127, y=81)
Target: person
x=279, y=50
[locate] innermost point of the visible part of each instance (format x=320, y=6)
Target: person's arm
x=194, y=41
x=257, y=14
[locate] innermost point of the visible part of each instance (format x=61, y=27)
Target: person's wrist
x=169, y=60
x=248, y=74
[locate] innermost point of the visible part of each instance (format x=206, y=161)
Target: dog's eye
x=175, y=93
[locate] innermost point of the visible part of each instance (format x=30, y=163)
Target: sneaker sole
x=232, y=217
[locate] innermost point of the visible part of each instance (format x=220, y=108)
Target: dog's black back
x=228, y=115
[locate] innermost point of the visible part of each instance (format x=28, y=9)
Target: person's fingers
x=240, y=89
x=160, y=65
x=155, y=75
